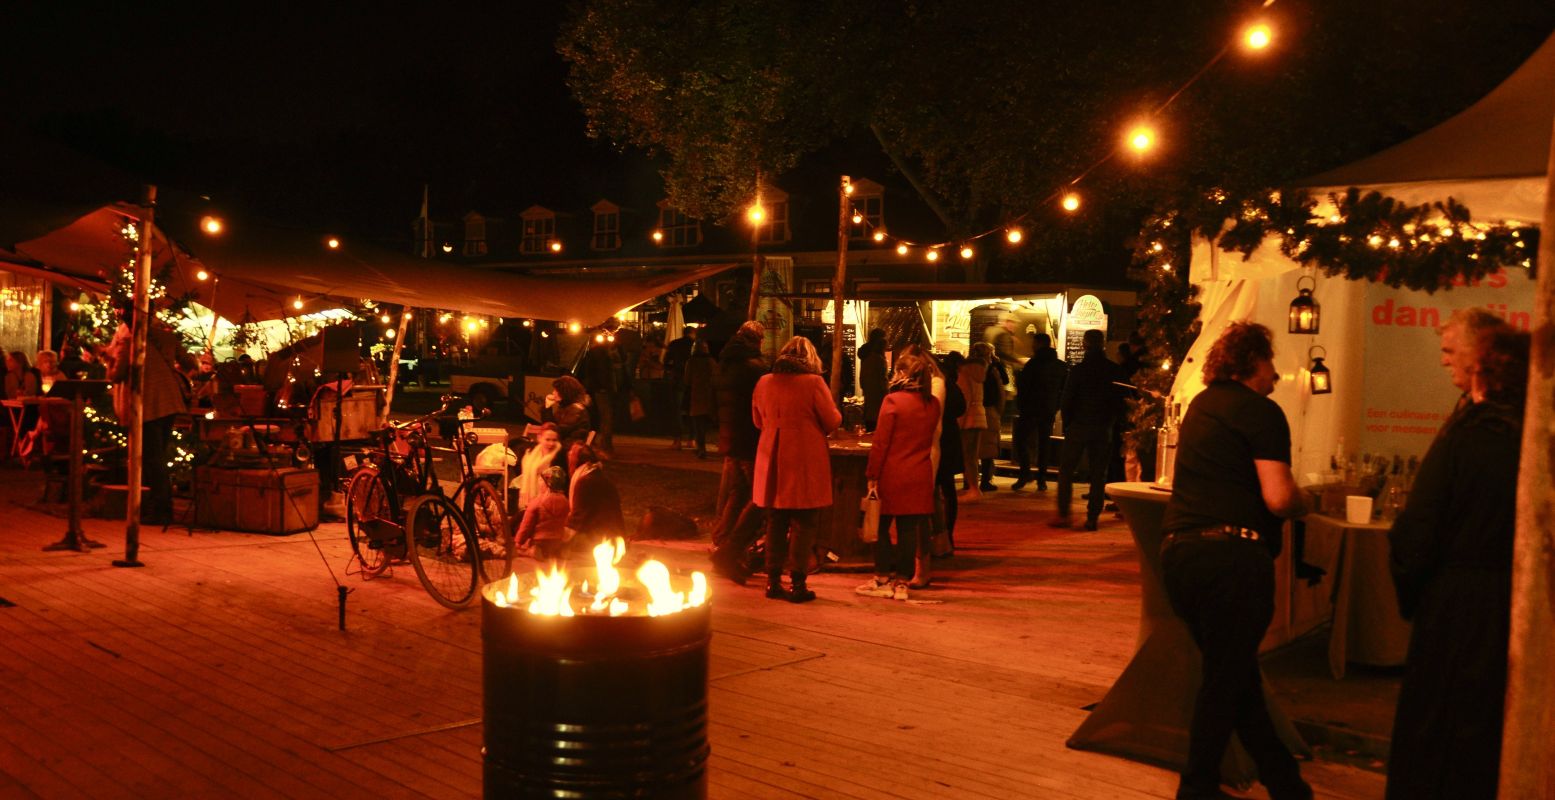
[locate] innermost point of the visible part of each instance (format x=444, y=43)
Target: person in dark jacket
x=1038, y=387
x=1092, y=403
x=604, y=375
x=701, y=394
x=950, y=452
x=740, y=366
x=566, y=407
x=993, y=412
x=1452, y=570
x=872, y=376
x=676, y=354
x=595, y=512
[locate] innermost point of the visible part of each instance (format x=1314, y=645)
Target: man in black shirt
x=1092, y=404
x=1230, y=490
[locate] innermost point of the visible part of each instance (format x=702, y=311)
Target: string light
x=879, y=236
x=1014, y=235
x=574, y=327
x=448, y=247
x=966, y=252
x=389, y=332
x=211, y=225
x=297, y=304
x=933, y=254
x=901, y=249
x=384, y=319
x=1071, y=202
x=658, y=236
x=556, y=246
x=332, y=243
x=202, y=275
x=756, y=214
x=1258, y=36
x=858, y=218
x=1141, y=138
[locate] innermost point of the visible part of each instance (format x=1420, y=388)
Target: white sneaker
x=874, y=588
x=899, y=592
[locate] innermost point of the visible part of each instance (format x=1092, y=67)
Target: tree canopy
x=991, y=107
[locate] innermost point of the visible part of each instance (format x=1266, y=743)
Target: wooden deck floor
x=218, y=670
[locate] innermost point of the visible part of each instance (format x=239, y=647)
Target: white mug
x=1357, y=509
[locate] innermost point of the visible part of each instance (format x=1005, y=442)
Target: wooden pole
x=1527, y=768
x=140, y=329
x=838, y=287
x=210, y=342
x=394, y=364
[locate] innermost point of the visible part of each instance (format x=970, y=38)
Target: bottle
x=1166, y=446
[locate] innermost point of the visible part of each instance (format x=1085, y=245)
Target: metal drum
x=595, y=706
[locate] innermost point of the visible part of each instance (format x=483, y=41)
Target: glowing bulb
x=448, y=247
x=384, y=319
x=847, y=188
x=1071, y=202
x=556, y=247
x=74, y=306
x=599, y=338
x=574, y=327
x=658, y=236
x=857, y=218
x=1141, y=138
x=1014, y=235
x=389, y=332
x=529, y=323
x=1258, y=36
x=471, y=326
x=879, y=236
x=933, y=254
x=407, y=314
x=901, y=249
x=966, y=251
x=756, y=214
x=332, y=243
x=202, y=275
x=210, y=225
x=297, y=304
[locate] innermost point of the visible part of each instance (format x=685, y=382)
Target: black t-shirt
x=1227, y=427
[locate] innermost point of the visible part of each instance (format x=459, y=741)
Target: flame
x=607, y=554
x=552, y=594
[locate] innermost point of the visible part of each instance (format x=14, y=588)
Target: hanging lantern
x=1304, y=311
x=1322, y=381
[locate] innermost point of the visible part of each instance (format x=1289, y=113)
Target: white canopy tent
x=1380, y=343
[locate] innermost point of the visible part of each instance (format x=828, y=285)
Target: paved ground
x=218, y=668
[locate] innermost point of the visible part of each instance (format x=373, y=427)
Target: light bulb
x=202, y=275
x=384, y=319
x=297, y=304
x=1258, y=36
x=556, y=247
x=448, y=247
x=879, y=236
x=756, y=214
x=574, y=327
x=529, y=323
x=658, y=236
x=389, y=332
x=857, y=218
x=966, y=251
x=933, y=254
x=1071, y=202
x=1014, y=235
x=901, y=249
x=847, y=188
x=332, y=243
x=1141, y=138
x=211, y=225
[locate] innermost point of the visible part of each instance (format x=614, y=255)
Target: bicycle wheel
x=367, y=500
x=443, y=551
x=481, y=503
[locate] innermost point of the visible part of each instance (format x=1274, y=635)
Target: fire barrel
x=594, y=706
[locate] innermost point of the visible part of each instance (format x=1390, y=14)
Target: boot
x=799, y=594
x=775, y=590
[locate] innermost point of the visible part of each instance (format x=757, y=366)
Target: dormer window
x=539, y=230
x=679, y=230
x=868, y=201
x=607, y=226
x=774, y=227
x=474, y=234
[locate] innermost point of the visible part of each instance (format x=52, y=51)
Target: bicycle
x=396, y=510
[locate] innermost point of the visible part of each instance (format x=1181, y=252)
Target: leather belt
x=1217, y=532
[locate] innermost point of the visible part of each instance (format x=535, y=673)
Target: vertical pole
x=140, y=322
x=839, y=284
x=755, y=300
x=394, y=364
x=1527, y=772
x=210, y=343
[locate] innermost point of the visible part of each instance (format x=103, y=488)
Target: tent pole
x=1527, y=772
x=140, y=328
x=394, y=364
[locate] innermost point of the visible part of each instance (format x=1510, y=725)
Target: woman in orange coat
x=794, y=410
x=901, y=472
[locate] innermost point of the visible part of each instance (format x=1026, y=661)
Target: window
x=474, y=234
x=539, y=230
x=679, y=229
x=868, y=200
x=607, y=226
x=774, y=230
x=810, y=308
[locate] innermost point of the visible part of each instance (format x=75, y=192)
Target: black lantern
x=1304, y=311
x=1322, y=381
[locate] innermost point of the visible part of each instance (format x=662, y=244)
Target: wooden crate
x=358, y=416
x=257, y=500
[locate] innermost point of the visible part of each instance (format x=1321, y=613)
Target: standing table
x=1145, y=715
x=1368, y=628
x=839, y=524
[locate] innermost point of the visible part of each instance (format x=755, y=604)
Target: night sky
x=329, y=116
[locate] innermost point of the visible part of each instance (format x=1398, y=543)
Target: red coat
x=795, y=412
x=899, y=457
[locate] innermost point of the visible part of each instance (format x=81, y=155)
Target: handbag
x=635, y=408
x=869, y=511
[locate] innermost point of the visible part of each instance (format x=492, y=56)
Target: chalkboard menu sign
x=1087, y=314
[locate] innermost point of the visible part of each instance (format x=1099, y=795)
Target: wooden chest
x=257, y=500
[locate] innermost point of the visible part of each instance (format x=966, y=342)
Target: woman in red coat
x=901, y=472
x=794, y=410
